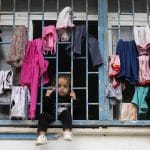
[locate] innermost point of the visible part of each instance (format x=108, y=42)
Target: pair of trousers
x=45, y=119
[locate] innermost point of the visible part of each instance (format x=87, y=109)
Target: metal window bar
x=14, y=8
x=72, y=61
x=118, y=19
x=147, y=8
x=87, y=73
x=103, y=45
x=43, y=21
x=57, y=66
x=133, y=17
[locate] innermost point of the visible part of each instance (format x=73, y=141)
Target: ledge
x=141, y=131
x=78, y=123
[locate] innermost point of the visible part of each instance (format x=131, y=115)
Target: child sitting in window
x=49, y=107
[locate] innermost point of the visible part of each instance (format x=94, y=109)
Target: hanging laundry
x=19, y=100
x=65, y=18
x=144, y=70
x=64, y=23
x=17, y=47
x=79, y=33
x=115, y=94
x=34, y=66
x=114, y=65
x=128, y=54
x=49, y=39
x=128, y=111
x=142, y=39
x=139, y=99
x=114, y=69
x=64, y=34
x=5, y=97
x=94, y=51
x=6, y=80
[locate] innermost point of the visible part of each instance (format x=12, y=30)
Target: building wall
x=84, y=142
x=111, y=138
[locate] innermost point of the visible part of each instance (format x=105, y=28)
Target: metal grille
x=89, y=108
x=123, y=17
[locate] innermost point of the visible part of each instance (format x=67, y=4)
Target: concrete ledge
x=84, y=131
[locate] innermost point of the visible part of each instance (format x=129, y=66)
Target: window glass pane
x=64, y=3
x=126, y=6
x=140, y=6
x=92, y=6
x=36, y=5
x=4, y=48
x=7, y=5
x=79, y=73
x=64, y=60
x=79, y=112
x=125, y=34
x=93, y=112
x=22, y=5
x=112, y=5
x=51, y=5
x=79, y=6
x=93, y=88
x=4, y=112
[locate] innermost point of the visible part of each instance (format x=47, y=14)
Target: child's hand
x=50, y=91
x=73, y=95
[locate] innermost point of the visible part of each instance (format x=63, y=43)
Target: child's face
x=63, y=87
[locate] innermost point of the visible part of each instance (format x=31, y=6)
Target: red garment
x=114, y=65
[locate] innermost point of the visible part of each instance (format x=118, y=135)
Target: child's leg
x=66, y=119
x=43, y=122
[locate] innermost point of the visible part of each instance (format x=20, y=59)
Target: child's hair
x=67, y=77
x=64, y=76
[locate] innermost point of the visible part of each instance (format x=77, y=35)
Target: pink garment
x=114, y=69
x=49, y=39
x=34, y=66
x=142, y=39
x=144, y=70
x=114, y=65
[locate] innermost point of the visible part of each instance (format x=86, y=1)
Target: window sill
x=82, y=131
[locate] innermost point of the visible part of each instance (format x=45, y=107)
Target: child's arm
x=49, y=101
x=73, y=95
x=50, y=91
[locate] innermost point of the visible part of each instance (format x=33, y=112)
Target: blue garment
x=79, y=35
x=139, y=99
x=128, y=54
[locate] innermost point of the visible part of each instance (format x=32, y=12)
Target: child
x=64, y=115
